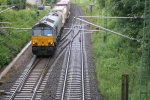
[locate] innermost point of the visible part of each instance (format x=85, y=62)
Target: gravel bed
x=95, y=94
x=15, y=71
x=51, y=87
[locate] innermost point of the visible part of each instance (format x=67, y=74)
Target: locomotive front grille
x=43, y=50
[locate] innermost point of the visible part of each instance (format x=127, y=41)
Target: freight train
x=47, y=32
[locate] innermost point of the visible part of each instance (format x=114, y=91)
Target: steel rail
x=66, y=73
x=19, y=87
x=82, y=64
x=24, y=77
x=70, y=40
x=73, y=37
x=67, y=40
x=70, y=30
x=69, y=56
x=44, y=72
x=58, y=55
x=65, y=90
x=68, y=62
x=40, y=79
x=62, y=42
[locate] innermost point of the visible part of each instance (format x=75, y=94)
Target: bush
x=19, y=4
x=12, y=41
x=117, y=55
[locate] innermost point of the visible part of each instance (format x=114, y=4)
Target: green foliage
x=114, y=58
x=48, y=1
x=129, y=8
x=118, y=55
x=101, y=3
x=4, y=58
x=2, y=2
x=51, y=1
x=132, y=8
x=19, y=4
x=16, y=39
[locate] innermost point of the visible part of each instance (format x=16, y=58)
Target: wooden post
x=125, y=87
x=1, y=83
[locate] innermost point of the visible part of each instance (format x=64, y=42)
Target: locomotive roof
x=65, y=0
x=50, y=20
x=62, y=2
x=59, y=8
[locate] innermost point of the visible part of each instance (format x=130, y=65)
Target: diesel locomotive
x=47, y=32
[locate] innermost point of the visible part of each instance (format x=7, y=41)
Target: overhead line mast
x=145, y=65
x=105, y=22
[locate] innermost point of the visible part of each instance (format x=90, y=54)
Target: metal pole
x=104, y=29
x=105, y=22
x=125, y=87
x=144, y=91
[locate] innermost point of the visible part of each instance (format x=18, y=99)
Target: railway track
x=74, y=76
x=74, y=79
x=72, y=84
x=31, y=83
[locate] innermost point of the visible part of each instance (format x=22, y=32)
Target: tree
x=19, y=4
x=129, y=8
x=2, y=2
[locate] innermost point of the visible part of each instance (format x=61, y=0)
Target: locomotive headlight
x=50, y=43
x=34, y=44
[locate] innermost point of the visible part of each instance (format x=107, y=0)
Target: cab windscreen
x=42, y=31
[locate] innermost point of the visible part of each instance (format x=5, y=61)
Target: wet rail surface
x=74, y=81
x=26, y=84
x=32, y=82
x=76, y=86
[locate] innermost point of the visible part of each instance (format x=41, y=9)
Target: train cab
x=45, y=34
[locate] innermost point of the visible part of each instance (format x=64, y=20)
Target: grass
x=112, y=61
x=113, y=58
x=12, y=41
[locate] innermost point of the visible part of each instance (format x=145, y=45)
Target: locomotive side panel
x=65, y=4
x=45, y=34
x=63, y=11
